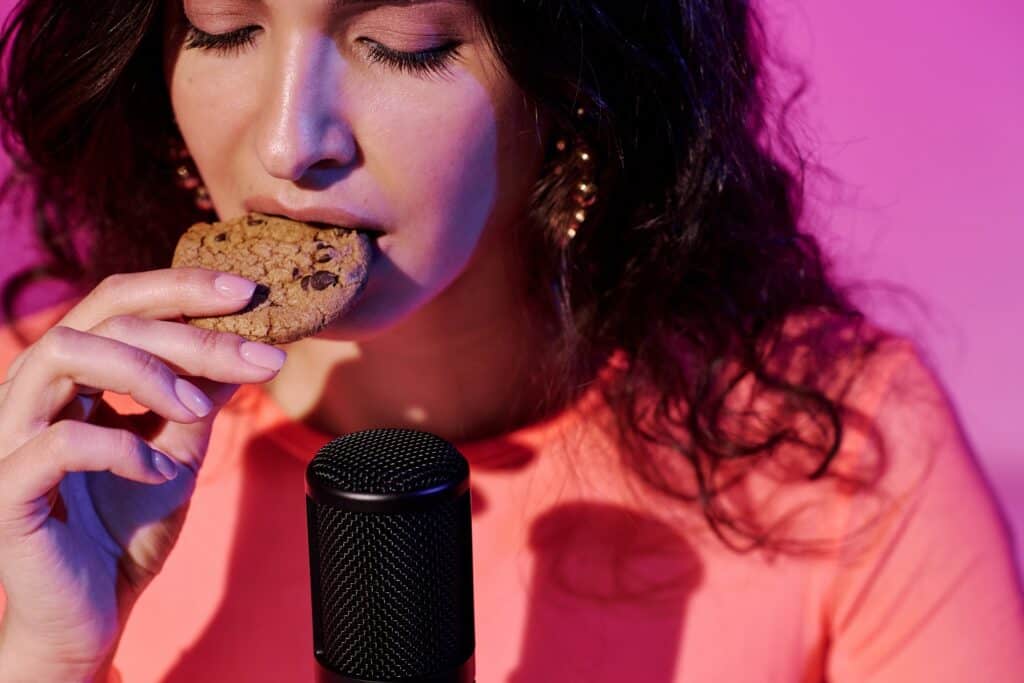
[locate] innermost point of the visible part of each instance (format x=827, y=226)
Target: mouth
x=324, y=215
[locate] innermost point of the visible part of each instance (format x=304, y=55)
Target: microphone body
x=391, y=560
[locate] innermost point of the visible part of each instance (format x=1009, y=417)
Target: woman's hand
x=91, y=502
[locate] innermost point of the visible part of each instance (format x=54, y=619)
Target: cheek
x=211, y=107
x=442, y=180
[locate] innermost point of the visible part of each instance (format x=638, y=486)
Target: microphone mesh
x=383, y=461
x=395, y=589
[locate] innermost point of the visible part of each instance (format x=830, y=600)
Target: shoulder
x=864, y=428
x=925, y=554
x=919, y=485
x=901, y=435
x=910, y=479
x=901, y=432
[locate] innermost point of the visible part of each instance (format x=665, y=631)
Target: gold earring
x=579, y=160
x=187, y=177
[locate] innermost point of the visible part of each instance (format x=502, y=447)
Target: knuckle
x=105, y=291
x=66, y=436
x=60, y=436
x=147, y=364
x=55, y=342
x=182, y=276
x=54, y=335
x=207, y=342
x=110, y=283
x=185, y=280
x=128, y=444
x=118, y=326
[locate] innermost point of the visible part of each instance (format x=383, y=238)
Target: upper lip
x=330, y=215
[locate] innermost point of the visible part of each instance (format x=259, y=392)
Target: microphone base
x=464, y=673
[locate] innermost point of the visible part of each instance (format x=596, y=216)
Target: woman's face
x=391, y=114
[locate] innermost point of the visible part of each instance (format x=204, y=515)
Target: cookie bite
x=307, y=275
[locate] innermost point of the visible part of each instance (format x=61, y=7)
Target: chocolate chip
x=325, y=258
x=259, y=295
x=221, y=237
x=252, y=220
x=305, y=283
x=323, y=279
x=295, y=273
x=321, y=245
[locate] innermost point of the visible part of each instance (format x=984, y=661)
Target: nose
x=301, y=131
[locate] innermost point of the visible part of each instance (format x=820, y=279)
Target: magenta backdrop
x=916, y=106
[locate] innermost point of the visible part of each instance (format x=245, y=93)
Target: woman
x=589, y=274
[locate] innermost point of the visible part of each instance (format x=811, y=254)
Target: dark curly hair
x=690, y=265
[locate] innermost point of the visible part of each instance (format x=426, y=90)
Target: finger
x=221, y=356
x=186, y=442
x=192, y=351
x=65, y=359
x=37, y=467
x=166, y=294
x=162, y=294
x=151, y=426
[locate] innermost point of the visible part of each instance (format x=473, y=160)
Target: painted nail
x=234, y=287
x=263, y=355
x=196, y=401
x=164, y=465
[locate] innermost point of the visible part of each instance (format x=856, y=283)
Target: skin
x=443, y=338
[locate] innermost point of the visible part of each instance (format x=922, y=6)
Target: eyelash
x=437, y=60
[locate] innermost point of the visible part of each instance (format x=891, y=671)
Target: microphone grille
x=393, y=591
x=388, y=461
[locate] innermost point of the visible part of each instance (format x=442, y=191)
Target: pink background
x=916, y=106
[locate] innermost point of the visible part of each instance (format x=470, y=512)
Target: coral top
x=583, y=573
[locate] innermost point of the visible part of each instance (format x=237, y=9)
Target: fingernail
x=193, y=399
x=164, y=465
x=234, y=287
x=263, y=355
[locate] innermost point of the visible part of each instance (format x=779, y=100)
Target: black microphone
x=391, y=559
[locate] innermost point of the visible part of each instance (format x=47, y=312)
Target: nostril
x=323, y=174
x=325, y=165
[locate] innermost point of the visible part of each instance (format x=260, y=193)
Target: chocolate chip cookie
x=307, y=276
